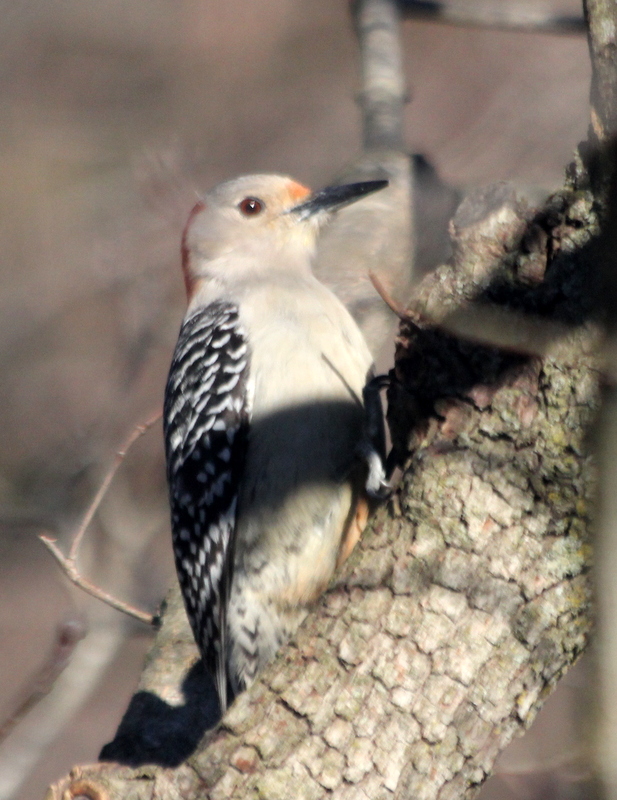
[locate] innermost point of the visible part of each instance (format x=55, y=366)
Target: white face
x=244, y=224
x=258, y=225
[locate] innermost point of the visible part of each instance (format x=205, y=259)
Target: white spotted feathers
x=205, y=422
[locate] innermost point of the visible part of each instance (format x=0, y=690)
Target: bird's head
x=257, y=224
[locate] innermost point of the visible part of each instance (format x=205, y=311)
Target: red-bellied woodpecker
x=271, y=454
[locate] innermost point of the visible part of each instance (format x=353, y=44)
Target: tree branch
x=70, y=569
x=601, y=162
x=601, y=17
x=376, y=236
x=68, y=634
x=68, y=563
x=383, y=84
x=494, y=14
x=470, y=596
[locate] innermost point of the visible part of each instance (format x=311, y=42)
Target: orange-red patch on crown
x=297, y=191
x=184, y=248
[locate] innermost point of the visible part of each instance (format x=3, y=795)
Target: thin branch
x=68, y=633
x=69, y=563
x=70, y=570
x=136, y=434
x=488, y=325
x=384, y=92
x=496, y=326
x=496, y=14
x=381, y=290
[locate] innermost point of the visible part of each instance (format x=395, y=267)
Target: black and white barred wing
x=206, y=424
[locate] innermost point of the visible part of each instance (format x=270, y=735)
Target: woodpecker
x=273, y=453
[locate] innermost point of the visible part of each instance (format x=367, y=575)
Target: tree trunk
x=467, y=599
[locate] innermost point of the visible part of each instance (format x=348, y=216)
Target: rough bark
x=469, y=597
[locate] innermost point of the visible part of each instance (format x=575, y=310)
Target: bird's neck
x=232, y=276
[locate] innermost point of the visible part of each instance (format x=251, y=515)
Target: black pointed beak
x=334, y=197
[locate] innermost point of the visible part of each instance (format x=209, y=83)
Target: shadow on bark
x=153, y=731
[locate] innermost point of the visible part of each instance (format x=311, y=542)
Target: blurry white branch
x=527, y=16
x=377, y=235
x=383, y=93
x=68, y=633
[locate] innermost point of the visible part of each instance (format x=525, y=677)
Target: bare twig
x=381, y=290
x=70, y=569
x=69, y=563
x=137, y=433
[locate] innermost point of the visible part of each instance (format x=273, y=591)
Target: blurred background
x=114, y=115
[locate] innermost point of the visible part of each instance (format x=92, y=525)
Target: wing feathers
x=206, y=421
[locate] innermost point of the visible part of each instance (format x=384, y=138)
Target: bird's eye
x=251, y=206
